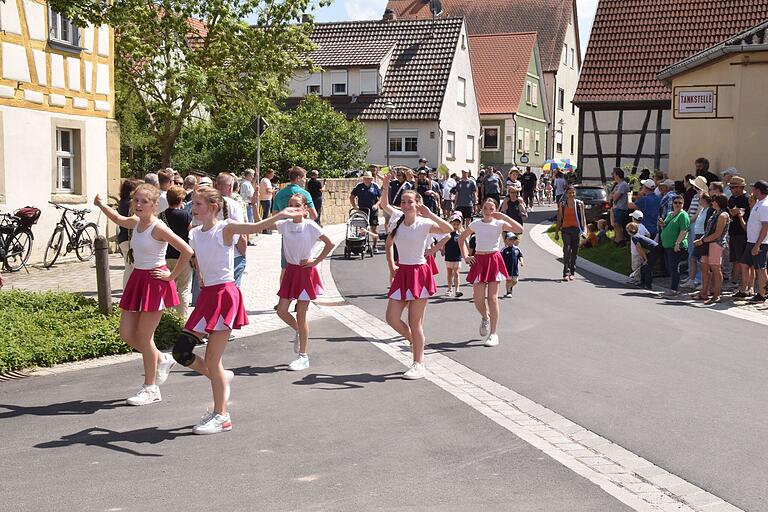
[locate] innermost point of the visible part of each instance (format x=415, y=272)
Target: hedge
x=44, y=329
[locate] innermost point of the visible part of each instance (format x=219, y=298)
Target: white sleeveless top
x=148, y=253
x=215, y=260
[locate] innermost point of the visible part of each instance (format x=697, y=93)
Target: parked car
x=595, y=201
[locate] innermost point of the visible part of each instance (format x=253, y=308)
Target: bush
x=44, y=329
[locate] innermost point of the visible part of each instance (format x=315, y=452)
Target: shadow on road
x=246, y=371
x=453, y=347
x=105, y=438
x=341, y=339
x=354, y=381
x=75, y=407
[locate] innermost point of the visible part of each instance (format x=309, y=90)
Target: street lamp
x=389, y=107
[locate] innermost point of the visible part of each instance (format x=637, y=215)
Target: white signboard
x=696, y=102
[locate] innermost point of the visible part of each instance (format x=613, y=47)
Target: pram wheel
x=346, y=253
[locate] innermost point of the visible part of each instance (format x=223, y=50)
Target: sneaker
x=164, y=366
x=374, y=250
x=757, y=299
x=492, y=340
x=415, y=372
x=449, y=293
x=458, y=294
x=672, y=294
x=739, y=295
x=484, y=326
x=301, y=363
x=296, y=343
x=146, y=395
x=213, y=424
x=228, y=390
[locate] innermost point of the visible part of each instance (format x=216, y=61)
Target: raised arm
x=111, y=213
x=441, y=226
x=241, y=228
x=384, y=200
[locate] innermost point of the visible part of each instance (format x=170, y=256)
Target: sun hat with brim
x=457, y=216
x=205, y=180
x=511, y=235
x=700, y=183
x=737, y=181
x=367, y=174
x=648, y=184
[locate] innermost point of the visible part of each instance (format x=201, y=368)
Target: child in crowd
x=602, y=228
x=513, y=260
x=591, y=241
x=636, y=228
x=452, y=253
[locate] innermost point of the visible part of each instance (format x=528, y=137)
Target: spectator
x=316, y=188
x=123, y=234
x=513, y=261
x=620, y=201
x=716, y=188
x=571, y=221
x=591, y=242
x=560, y=185
x=492, y=185
x=699, y=186
x=637, y=227
x=690, y=192
x=647, y=249
x=674, y=241
x=529, y=182
x=648, y=203
x=466, y=196
x=727, y=175
x=702, y=169
x=190, y=184
x=225, y=184
x=430, y=195
x=659, y=177
x=424, y=167
x=513, y=177
x=514, y=206
x=756, y=251
x=266, y=193
x=448, y=185
x=738, y=207
x=247, y=191
x=713, y=242
x=667, y=191
x=180, y=221
x=365, y=196
x=697, y=230
x=165, y=180
x=396, y=189
x=151, y=178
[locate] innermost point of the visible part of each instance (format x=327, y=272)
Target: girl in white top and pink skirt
x=413, y=280
x=219, y=308
x=487, y=267
x=301, y=281
x=151, y=287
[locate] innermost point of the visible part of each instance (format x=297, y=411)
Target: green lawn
x=606, y=255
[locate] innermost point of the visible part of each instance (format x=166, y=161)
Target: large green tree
x=182, y=59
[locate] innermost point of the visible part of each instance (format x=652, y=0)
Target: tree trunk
x=166, y=145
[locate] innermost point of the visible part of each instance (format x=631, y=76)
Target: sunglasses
x=677, y=202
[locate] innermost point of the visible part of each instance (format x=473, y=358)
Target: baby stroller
x=358, y=240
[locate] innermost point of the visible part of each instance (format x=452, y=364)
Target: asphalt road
x=347, y=435
x=681, y=386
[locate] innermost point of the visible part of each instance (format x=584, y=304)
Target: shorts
x=452, y=264
x=714, y=254
x=447, y=205
x=373, y=218
x=466, y=211
x=759, y=261
x=736, y=245
x=620, y=217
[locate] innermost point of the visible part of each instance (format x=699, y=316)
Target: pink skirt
x=412, y=282
x=487, y=269
x=144, y=293
x=218, y=308
x=300, y=283
x=433, y=265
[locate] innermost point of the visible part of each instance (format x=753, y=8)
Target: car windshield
x=590, y=194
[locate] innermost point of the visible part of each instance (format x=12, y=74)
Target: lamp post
x=389, y=107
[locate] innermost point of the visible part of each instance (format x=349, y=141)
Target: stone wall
x=336, y=200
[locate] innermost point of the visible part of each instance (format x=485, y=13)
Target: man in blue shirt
x=366, y=196
x=648, y=203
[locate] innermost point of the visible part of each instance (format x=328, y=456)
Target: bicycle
x=81, y=236
x=16, y=237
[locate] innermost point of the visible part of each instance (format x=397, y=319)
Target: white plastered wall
x=568, y=79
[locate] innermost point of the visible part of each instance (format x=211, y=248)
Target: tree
x=187, y=59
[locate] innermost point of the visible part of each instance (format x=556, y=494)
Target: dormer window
x=339, y=83
x=369, y=81
x=62, y=30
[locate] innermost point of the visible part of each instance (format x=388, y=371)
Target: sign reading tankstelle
x=696, y=102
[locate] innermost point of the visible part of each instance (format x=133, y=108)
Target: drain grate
x=13, y=376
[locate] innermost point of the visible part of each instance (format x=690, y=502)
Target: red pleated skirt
x=487, y=269
x=144, y=293
x=301, y=283
x=218, y=308
x=412, y=282
x=433, y=264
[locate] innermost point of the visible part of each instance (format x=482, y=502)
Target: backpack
x=28, y=216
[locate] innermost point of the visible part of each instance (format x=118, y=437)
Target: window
x=561, y=99
x=314, y=84
x=573, y=109
x=572, y=140
x=339, y=83
x=490, y=139
x=470, y=148
x=537, y=142
x=559, y=141
x=65, y=159
x=527, y=145
x=462, y=93
x=62, y=30
x=573, y=57
x=450, y=140
x=565, y=54
x=369, y=81
x=404, y=141
x=535, y=95
x=520, y=138
x=528, y=92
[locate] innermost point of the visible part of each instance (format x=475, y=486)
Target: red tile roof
x=499, y=68
x=633, y=40
x=547, y=17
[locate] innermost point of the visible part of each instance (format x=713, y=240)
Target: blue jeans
x=651, y=253
x=672, y=260
x=249, y=212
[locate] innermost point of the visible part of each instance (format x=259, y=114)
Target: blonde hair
x=151, y=190
x=632, y=228
x=213, y=196
x=302, y=197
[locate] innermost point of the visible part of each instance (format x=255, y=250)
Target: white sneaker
x=296, y=343
x=213, y=424
x=485, y=325
x=301, y=363
x=449, y=293
x=146, y=395
x=164, y=367
x=492, y=340
x=416, y=371
x=228, y=390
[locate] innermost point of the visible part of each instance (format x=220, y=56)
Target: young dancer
x=487, y=265
x=301, y=281
x=150, y=288
x=219, y=307
x=452, y=253
x=513, y=261
x=413, y=281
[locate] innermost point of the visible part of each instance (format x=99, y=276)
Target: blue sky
x=344, y=10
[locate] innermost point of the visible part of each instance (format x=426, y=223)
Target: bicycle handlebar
x=83, y=211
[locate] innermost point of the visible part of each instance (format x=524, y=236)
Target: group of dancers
x=413, y=229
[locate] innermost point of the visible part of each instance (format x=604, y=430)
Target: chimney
x=389, y=15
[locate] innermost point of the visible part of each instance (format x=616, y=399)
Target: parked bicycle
x=16, y=237
x=81, y=236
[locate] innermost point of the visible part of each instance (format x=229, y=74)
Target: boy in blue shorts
x=513, y=260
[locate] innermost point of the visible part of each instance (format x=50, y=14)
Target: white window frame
x=559, y=141
x=335, y=80
x=461, y=92
x=535, y=95
x=450, y=143
x=470, y=148
x=56, y=25
x=560, y=98
x=537, y=142
x=483, y=147
x=61, y=156
x=527, y=142
x=520, y=139
x=401, y=136
x=372, y=74
x=315, y=80
x=528, y=92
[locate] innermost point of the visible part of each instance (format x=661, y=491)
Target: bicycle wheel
x=85, y=241
x=53, y=248
x=17, y=250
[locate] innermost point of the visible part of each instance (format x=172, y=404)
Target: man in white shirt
x=266, y=193
x=756, y=252
x=246, y=192
x=165, y=180
x=448, y=185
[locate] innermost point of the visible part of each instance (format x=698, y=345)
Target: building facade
x=58, y=138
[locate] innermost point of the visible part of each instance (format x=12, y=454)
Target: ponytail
x=225, y=209
x=397, y=226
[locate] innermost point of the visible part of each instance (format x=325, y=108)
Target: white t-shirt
x=246, y=190
x=448, y=185
x=643, y=231
x=298, y=239
x=487, y=235
x=411, y=241
x=215, y=260
x=758, y=215
x=162, y=202
x=265, y=189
